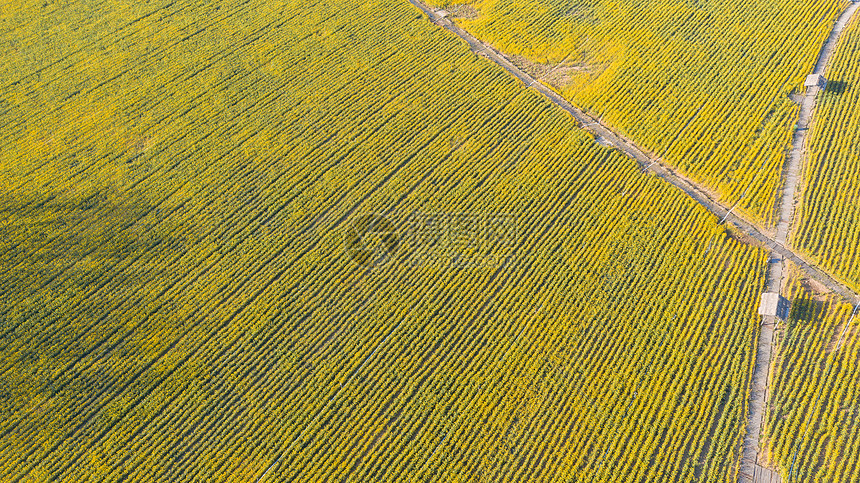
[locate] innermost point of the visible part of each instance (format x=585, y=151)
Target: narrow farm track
x=794, y=164
x=750, y=470
x=189, y=308
x=605, y=136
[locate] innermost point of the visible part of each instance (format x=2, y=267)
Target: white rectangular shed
x=775, y=305
x=815, y=81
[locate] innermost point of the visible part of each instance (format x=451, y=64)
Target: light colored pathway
x=607, y=137
x=792, y=168
x=752, y=470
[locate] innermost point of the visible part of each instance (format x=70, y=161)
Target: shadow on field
x=837, y=87
x=65, y=265
x=805, y=311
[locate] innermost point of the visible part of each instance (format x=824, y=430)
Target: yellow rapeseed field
x=813, y=426
x=704, y=84
x=829, y=217
x=323, y=241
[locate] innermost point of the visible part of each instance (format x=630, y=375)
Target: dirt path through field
x=750, y=470
x=752, y=467
x=793, y=168
x=650, y=163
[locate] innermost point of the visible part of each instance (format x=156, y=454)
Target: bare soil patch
x=738, y=235
x=463, y=10
x=558, y=75
x=139, y=145
x=581, y=13
x=816, y=289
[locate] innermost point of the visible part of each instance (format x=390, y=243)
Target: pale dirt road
x=607, y=137
x=750, y=470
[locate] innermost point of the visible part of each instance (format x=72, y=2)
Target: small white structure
x=775, y=305
x=440, y=14
x=815, y=82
